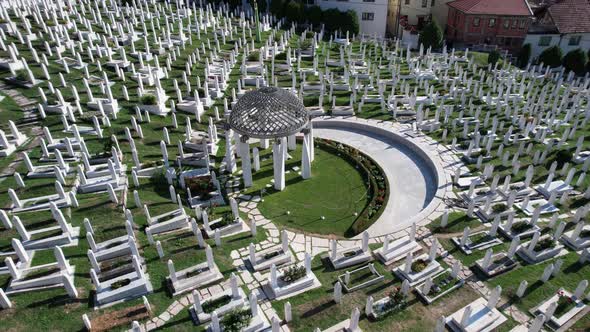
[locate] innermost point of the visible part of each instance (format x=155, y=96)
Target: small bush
x=575, y=61
x=524, y=56
x=148, y=100
x=493, y=57
x=21, y=75
x=254, y=56
x=431, y=36
x=551, y=57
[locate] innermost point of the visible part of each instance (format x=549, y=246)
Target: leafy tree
x=331, y=19
x=350, y=22
x=575, y=61
x=551, y=57
x=431, y=36
x=276, y=7
x=314, y=15
x=233, y=4
x=493, y=57
x=294, y=11
x=524, y=55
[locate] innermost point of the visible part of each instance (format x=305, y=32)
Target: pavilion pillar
x=305, y=158
x=310, y=141
x=291, y=142
x=278, y=156
x=246, y=162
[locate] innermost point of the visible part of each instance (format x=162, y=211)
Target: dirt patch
x=117, y=318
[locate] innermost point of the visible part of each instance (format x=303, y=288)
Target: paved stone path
x=301, y=243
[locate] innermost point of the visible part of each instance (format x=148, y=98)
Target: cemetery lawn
x=456, y=223
x=316, y=308
x=336, y=191
x=570, y=275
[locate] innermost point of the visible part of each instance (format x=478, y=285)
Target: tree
x=233, y=4
x=314, y=15
x=293, y=11
x=431, y=36
x=276, y=8
x=331, y=19
x=551, y=57
x=523, y=56
x=575, y=61
x=493, y=57
x=261, y=5
x=350, y=22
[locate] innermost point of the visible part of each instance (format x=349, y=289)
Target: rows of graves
x=169, y=73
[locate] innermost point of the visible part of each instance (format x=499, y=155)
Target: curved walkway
x=412, y=163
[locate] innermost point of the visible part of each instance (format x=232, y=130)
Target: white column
x=246, y=162
x=278, y=154
x=305, y=158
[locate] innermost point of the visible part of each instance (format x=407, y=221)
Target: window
x=432, y=3
x=522, y=24
x=368, y=16
x=407, y=2
x=545, y=41
x=424, y=3
x=506, y=24
x=368, y=0
x=492, y=22
x=476, y=22
x=574, y=40
x=514, y=24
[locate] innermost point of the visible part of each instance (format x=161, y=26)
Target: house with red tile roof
x=488, y=22
x=565, y=23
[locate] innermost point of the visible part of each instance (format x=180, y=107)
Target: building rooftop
x=493, y=7
x=571, y=16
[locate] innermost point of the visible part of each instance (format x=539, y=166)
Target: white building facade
x=372, y=15
x=567, y=42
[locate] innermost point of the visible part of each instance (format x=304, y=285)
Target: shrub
x=261, y=5
x=148, y=100
x=493, y=57
x=575, y=61
x=350, y=22
x=551, y=57
x=431, y=36
x=294, y=12
x=236, y=320
x=331, y=19
x=21, y=75
x=276, y=7
x=294, y=273
x=314, y=15
x=211, y=305
x=254, y=56
x=524, y=56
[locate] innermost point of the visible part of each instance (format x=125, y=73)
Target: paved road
x=412, y=182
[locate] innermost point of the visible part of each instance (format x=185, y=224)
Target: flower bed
x=419, y=265
x=210, y=306
x=543, y=244
x=521, y=227
x=395, y=301
x=201, y=186
x=293, y=273
x=565, y=303
x=236, y=320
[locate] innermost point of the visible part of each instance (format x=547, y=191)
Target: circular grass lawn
x=335, y=191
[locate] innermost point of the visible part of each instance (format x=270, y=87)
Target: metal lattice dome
x=268, y=112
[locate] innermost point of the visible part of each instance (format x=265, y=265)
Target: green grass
x=316, y=308
x=335, y=191
x=456, y=223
